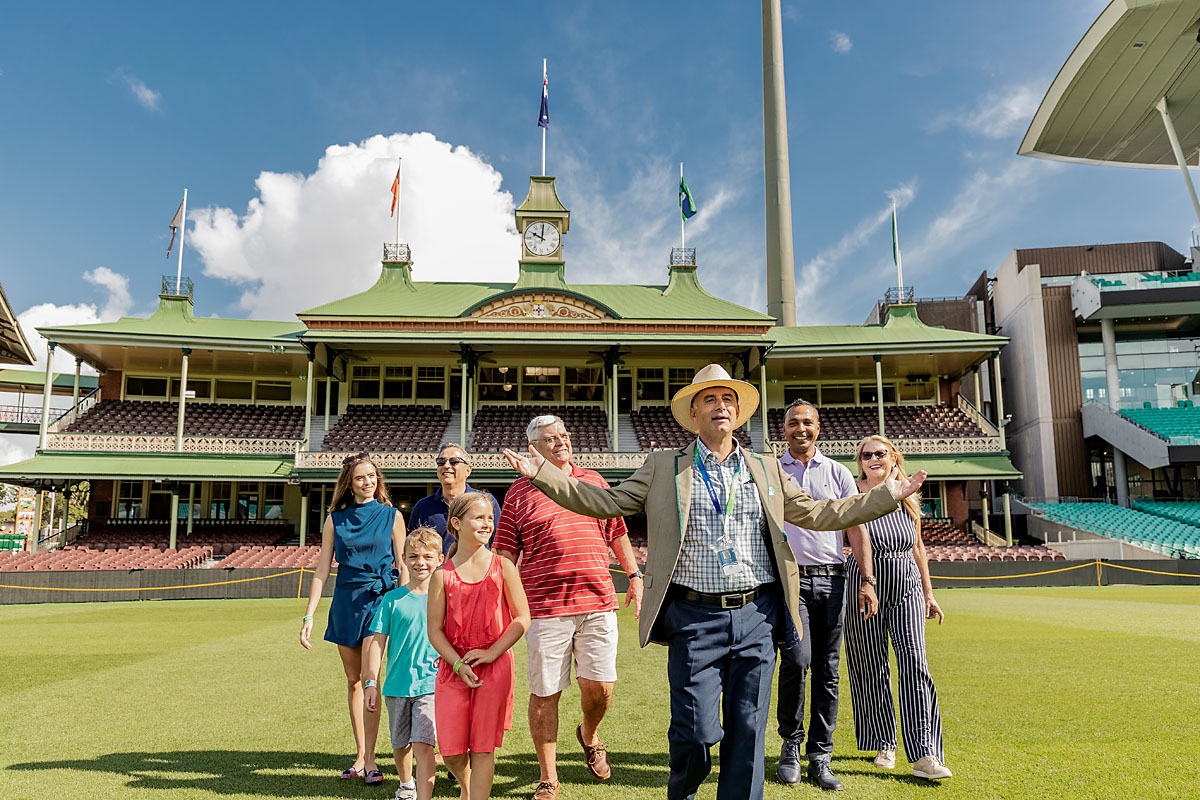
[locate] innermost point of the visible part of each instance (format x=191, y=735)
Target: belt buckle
x=729, y=601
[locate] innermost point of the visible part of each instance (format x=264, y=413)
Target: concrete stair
x=317, y=430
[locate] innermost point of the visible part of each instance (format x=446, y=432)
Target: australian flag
x=544, y=114
x=687, y=206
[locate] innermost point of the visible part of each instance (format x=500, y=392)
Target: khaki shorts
x=551, y=643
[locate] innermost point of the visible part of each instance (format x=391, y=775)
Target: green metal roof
x=174, y=319
x=154, y=466
x=14, y=349
x=395, y=296
x=34, y=379
x=903, y=331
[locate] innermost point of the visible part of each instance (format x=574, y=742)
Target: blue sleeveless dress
x=362, y=543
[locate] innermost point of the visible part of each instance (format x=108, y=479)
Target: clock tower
x=541, y=221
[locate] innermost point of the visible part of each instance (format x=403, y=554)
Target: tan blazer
x=662, y=487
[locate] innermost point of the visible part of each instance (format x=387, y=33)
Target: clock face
x=541, y=238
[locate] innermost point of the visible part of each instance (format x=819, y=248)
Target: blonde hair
x=343, y=493
x=912, y=503
x=423, y=536
x=458, y=509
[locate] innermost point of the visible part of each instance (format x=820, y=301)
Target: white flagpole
x=400, y=186
x=896, y=253
x=182, y=231
x=546, y=89
x=682, y=235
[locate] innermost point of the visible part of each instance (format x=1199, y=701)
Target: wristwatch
x=369, y=682
x=636, y=574
x=869, y=579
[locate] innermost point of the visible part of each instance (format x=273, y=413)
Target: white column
x=183, y=370
x=1179, y=157
x=613, y=413
x=191, y=507
x=75, y=392
x=462, y=405
x=781, y=280
x=328, y=396
x=46, y=387
x=1007, y=518
x=1112, y=382
x=879, y=392
x=762, y=404
x=303, y=518
x=983, y=500
x=978, y=396
x=174, y=515
x=308, y=401
x=999, y=394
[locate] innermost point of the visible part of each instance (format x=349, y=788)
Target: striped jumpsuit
x=901, y=617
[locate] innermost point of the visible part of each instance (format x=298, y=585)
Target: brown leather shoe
x=597, y=757
x=546, y=790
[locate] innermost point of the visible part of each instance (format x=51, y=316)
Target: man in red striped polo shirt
x=564, y=567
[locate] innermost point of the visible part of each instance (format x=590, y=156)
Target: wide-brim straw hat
x=714, y=375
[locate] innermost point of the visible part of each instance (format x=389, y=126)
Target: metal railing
x=895, y=295
x=70, y=415
x=397, y=252
x=683, y=256
x=21, y=414
x=176, y=287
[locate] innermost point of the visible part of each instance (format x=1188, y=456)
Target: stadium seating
x=79, y=558
x=945, y=542
x=498, y=427
x=408, y=428
x=1185, y=511
x=221, y=536
x=657, y=429
x=273, y=557
x=1166, y=422
x=900, y=422
x=159, y=418
x=1167, y=536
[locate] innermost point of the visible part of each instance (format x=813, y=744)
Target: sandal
x=351, y=772
x=373, y=778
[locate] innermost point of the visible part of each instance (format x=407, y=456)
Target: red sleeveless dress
x=474, y=720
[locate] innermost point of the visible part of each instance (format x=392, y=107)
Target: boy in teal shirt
x=411, y=666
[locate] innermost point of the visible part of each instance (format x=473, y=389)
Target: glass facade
x=1153, y=373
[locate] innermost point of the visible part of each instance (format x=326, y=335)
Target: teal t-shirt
x=411, y=660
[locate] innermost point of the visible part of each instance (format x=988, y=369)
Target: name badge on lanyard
x=726, y=555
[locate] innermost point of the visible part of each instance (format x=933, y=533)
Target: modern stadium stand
x=498, y=427
x=1150, y=531
x=408, y=428
x=657, y=429
x=900, y=422
x=159, y=418
x=1185, y=511
x=1167, y=423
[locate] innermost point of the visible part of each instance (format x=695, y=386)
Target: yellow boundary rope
x=1098, y=564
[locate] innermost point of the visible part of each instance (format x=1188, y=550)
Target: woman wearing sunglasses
x=905, y=602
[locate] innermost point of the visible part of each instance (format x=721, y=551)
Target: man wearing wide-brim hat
x=719, y=572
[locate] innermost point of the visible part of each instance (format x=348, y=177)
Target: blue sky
x=109, y=111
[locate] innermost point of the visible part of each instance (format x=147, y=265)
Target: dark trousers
x=821, y=612
x=719, y=666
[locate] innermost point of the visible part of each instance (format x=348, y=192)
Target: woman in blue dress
x=366, y=533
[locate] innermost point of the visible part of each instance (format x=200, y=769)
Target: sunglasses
x=348, y=460
x=867, y=455
x=452, y=461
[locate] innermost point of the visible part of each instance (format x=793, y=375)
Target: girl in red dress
x=477, y=612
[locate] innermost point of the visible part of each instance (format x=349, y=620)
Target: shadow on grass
x=289, y=774
x=864, y=767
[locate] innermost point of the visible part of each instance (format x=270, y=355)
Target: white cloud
x=116, y=304
x=16, y=447
x=147, y=98
x=306, y=239
x=840, y=42
x=821, y=267
x=996, y=115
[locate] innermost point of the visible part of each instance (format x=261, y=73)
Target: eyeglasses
x=452, y=461
x=550, y=441
x=867, y=455
x=348, y=460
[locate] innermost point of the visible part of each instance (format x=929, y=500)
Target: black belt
x=822, y=569
x=729, y=600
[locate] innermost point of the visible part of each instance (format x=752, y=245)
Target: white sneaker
x=406, y=792
x=886, y=759
x=929, y=767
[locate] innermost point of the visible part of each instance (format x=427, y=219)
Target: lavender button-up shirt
x=824, y=479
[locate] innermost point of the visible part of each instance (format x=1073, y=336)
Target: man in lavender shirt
x=822, y=591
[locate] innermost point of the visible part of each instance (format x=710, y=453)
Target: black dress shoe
x=789, y=763
x=820, y=774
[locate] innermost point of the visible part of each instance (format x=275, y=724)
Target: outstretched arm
x=622, y=500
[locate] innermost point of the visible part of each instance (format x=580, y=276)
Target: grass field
x=1046, y=693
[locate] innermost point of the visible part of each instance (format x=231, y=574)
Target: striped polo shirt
x=564, y=555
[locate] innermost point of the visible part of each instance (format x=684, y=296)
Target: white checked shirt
x=698, y=567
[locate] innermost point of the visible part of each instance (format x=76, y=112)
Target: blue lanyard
x=712, y=492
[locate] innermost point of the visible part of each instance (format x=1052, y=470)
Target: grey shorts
x=411, y=720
